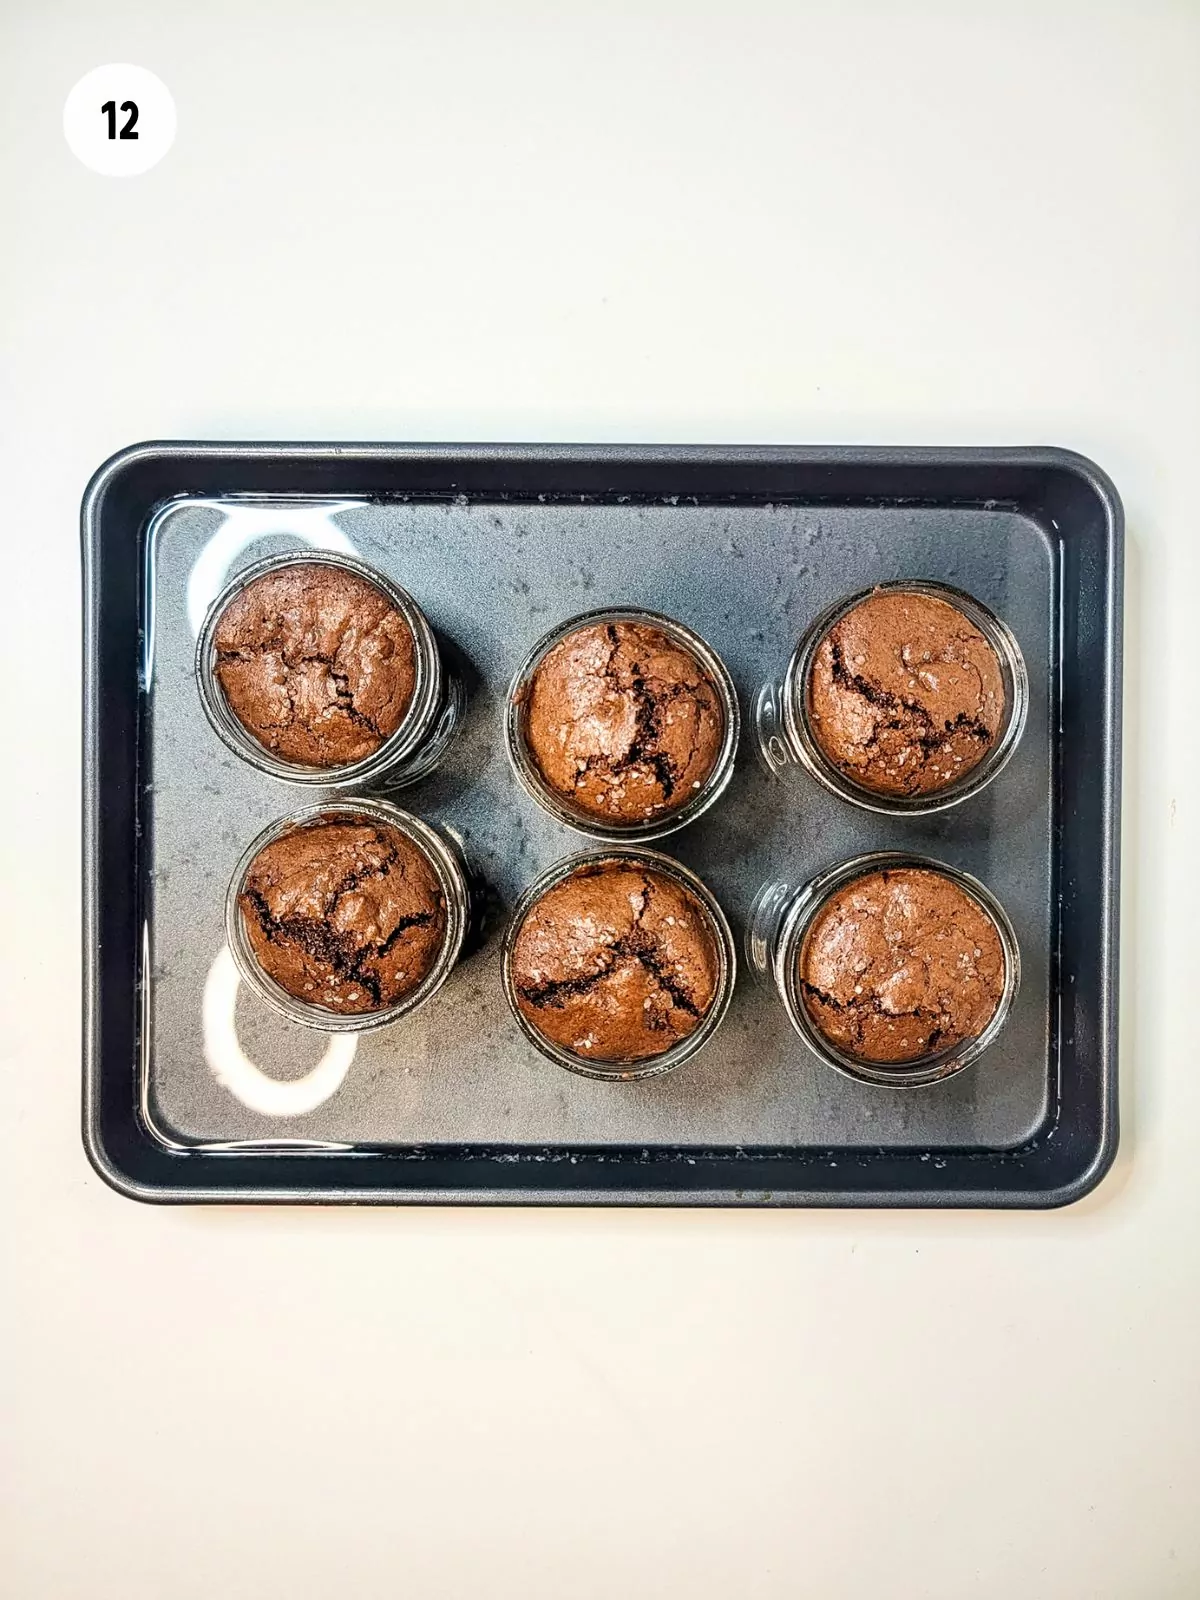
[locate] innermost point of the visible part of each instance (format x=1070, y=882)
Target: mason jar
x=717, y=927
x=780, y=919
x=637, y=831
x=406, y=755
x=783, y=715
x=439, y=849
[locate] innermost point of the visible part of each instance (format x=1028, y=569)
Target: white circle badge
x=120, y=120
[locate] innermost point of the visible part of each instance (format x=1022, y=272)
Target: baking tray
x=191, y=1094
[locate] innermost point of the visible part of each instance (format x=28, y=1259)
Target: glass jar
x=636, y=832
x=784, y=725
x=780, y=919
x=408, y=754
x=683, y=1049
x=443, y=856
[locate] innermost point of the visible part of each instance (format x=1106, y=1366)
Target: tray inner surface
x=492, y=578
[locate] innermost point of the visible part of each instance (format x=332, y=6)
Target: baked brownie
x=900, y=964
x=616, y=963
x=623, y=723
x=316, y=663
x=345, y=913
x=905, y=695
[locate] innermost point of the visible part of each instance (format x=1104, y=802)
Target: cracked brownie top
x=622, y=722
x=316, y=663
x=905, y=695
x=616, y=962
x=345, y=914
x=901, y=964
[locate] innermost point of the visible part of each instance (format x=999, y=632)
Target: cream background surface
x=859, y=223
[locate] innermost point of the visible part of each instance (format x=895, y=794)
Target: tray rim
x=1098, y=1158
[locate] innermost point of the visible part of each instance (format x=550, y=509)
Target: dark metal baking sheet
x=497, y=542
